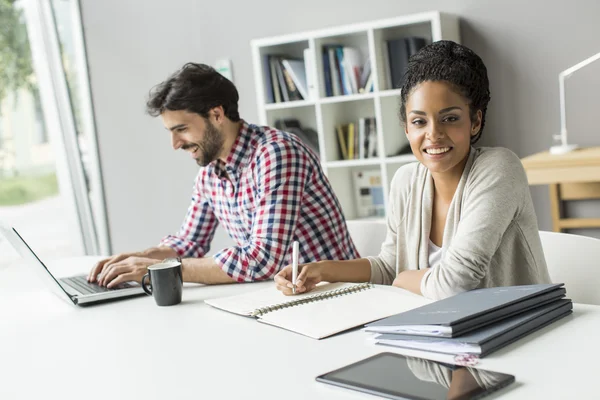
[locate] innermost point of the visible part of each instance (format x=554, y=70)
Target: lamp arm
x=561, y=87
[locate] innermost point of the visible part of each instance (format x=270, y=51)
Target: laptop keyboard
x=83, y=286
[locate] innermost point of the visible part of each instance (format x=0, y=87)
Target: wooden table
x=571, y=176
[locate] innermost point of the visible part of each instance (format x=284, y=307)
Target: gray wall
x=132, y=45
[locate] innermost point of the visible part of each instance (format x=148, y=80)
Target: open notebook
x=328, y=309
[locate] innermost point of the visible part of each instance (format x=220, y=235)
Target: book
x=280, y=78
x=352, y=67
x=309, y=70
x=328, y=309
x=274, y=79
x=334, y=70
x=461, y=313
x=488, y=339
x=372, y=137
x=297, y=72
x=290, y=85
x=327, y=73
x=341, y=136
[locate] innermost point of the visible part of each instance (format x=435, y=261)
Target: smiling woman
x=462, y=217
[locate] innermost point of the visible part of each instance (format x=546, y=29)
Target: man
x=264, y=186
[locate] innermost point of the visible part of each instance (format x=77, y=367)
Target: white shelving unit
x=323, y=113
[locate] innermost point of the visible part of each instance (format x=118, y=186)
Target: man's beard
x=210, y=146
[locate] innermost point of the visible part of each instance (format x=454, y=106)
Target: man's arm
x=282, y=173
x=204, y=270
x=193, y=239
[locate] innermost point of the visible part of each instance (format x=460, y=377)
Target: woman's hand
x=308, y=277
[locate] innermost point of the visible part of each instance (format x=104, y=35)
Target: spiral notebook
x=328, y=309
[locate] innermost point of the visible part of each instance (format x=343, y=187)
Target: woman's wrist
x=326, y=271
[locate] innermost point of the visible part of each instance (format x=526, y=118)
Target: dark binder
x=266, y=64
x=493, y=337
x=327, y=73
x=398, y=54
x=415, y=44
x=469, y=310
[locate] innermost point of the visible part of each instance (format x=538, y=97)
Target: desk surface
x=134, y=349
x=580, y=165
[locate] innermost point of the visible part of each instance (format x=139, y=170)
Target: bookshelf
x=324, y=111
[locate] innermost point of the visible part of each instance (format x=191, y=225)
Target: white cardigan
x=491, y=236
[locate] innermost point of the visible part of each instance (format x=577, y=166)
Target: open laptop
x=74, y=289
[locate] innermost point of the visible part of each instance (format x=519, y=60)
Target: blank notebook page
x=323, y=318
x=247, y=303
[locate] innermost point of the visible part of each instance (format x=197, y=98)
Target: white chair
x=575, y=261
x=367, y=236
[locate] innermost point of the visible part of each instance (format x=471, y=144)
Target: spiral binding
x=315, y=297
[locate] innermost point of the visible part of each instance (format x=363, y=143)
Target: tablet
x=395, y=376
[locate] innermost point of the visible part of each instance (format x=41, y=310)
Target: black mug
x=166, y=283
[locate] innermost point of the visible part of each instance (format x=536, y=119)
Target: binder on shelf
x=269, y=93
x=398, y=53
x=398, y=57
x=327, y=73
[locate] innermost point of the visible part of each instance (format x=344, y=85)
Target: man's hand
x=100, y=265
x=130, y=269
x=120, y=268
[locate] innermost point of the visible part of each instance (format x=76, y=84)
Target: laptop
x=74, y=289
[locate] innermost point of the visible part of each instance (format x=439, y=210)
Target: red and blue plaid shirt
x=270, y=192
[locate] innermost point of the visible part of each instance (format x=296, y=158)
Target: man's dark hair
x=195, y=88
x=456, y=64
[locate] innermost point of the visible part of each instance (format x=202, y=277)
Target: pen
x=294, y=265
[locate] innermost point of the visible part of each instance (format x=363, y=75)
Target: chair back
x=367, y=235
x=575, y=261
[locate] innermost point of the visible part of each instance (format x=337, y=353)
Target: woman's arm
x=492, y=200
x=323, y=271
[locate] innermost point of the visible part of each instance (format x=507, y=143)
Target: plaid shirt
x=270, y=192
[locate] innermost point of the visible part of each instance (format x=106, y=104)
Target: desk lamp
x=563, y=147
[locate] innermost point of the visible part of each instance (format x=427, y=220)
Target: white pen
x=295, y=250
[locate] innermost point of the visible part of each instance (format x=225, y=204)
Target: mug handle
x=147, y=286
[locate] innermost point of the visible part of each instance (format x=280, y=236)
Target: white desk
x=133, y=349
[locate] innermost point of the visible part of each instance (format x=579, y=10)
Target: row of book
x=345, y=71
x=286, y=78
x=477, y=322
x=357, y=141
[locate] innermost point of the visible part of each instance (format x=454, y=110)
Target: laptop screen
x=38, y=266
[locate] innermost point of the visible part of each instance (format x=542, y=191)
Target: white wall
x=132, y=45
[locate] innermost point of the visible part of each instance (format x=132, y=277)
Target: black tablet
x=396, y=376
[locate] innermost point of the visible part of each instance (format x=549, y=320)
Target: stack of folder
x=476, y=322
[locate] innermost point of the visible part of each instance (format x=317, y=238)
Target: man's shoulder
x=272, y=141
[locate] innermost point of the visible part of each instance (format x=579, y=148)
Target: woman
x=459, y=219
